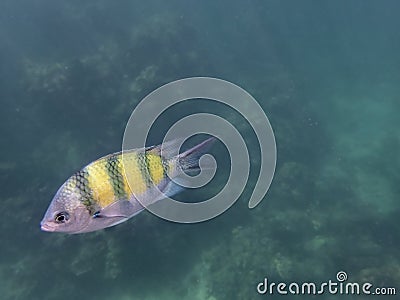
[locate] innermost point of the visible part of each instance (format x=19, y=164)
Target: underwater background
x=326, y=73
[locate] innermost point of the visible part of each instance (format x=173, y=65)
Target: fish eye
x=61, y=217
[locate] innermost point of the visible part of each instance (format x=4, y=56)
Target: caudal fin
x=189, y=160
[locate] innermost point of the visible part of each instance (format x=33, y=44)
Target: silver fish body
x=118, y=186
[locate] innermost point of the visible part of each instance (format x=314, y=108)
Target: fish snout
x=46, y=227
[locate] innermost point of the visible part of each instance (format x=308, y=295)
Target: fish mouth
x=47, y=227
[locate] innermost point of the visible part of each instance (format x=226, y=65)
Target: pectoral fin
x=121, y=209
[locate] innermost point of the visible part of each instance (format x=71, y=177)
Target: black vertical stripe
x=81, y=182
x=165, y=166
x=115, y=176
x=144, y=168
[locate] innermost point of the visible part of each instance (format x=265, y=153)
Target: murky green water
x=325, y=72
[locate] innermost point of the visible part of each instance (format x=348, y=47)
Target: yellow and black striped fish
x=99, y=196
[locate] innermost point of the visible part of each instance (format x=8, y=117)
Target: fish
x=100, y=196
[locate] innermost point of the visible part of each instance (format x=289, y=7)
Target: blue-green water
x=327, y=74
